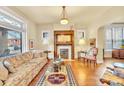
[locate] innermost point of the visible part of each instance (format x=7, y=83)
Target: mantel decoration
x=64, y=19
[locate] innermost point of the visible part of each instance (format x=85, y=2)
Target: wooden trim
x=64, y=32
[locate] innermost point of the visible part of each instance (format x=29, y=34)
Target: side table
x=47, y=52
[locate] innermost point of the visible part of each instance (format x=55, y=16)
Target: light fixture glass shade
x=64, y=21
x=45, y=41
x=82, y=41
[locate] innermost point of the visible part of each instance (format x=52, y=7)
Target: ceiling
x=52, y=14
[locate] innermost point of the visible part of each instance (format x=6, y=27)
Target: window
x=114, y=38
x=10, y=21
x=12, y=34
x=10, y=42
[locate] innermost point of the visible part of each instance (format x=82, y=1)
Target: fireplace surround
x=66, y=46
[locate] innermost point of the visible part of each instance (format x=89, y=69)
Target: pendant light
x=64, y=19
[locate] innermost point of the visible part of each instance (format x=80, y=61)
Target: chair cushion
x=90, y=58
x=3, y=72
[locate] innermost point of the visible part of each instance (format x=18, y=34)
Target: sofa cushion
x=19, y=59
x=1, y=83
x=3, y=72
x=13, y=61
x=38, y=60
x=41, y=54
x=26, y=57
x=36, y=55
x=21, y=73
x=30, y=54
x=9, y=66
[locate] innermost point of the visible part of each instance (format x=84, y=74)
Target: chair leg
x=95, y=64
x=90, y=61
x=84, y=60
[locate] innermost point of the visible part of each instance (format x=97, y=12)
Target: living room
x=82, y=51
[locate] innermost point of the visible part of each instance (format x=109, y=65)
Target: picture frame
x=31, y=44
x=92, y=42
x=45, y=35
x=80, y=34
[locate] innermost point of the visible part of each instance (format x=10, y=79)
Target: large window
x=12, y=34
x=9, y=20
x=10, y=42
x=114, y=37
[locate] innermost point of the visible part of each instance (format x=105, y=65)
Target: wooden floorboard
x=85, y=74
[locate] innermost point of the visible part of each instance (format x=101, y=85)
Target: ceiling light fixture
x=64, y=19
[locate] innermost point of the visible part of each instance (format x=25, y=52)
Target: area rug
x=70, y=79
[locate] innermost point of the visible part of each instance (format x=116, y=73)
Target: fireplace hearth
x=64, y=53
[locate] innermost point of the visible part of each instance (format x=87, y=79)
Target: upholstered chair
x=94, y=57
x=91, y=55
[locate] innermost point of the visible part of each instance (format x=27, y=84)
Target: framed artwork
x=92, y=42
x=31, y=44
x=80, y=34
x=45, y=35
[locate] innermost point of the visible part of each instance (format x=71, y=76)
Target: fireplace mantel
x=69, y=42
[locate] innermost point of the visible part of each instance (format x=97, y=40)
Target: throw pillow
x=1, y=83
x=13, y=61
x=9, y=66
x=3, y=72
x=119, y=72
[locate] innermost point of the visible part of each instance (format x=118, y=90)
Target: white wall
x=113, y=15
x=34, y=31
x=57, y=27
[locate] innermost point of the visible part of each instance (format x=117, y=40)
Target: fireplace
x=64, y=44
x=64, y=51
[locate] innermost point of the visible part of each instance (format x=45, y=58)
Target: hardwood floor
x=85, y=74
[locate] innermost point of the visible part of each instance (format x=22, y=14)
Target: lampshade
x=64, y=21
x=45, y=41
x=82, y=41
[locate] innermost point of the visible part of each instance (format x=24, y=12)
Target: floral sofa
x=20, y=70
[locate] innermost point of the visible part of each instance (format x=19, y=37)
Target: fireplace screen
x=64, y=53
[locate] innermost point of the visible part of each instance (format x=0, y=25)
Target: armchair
x=91, y=55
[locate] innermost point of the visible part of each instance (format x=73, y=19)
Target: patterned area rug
x=70, y=79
